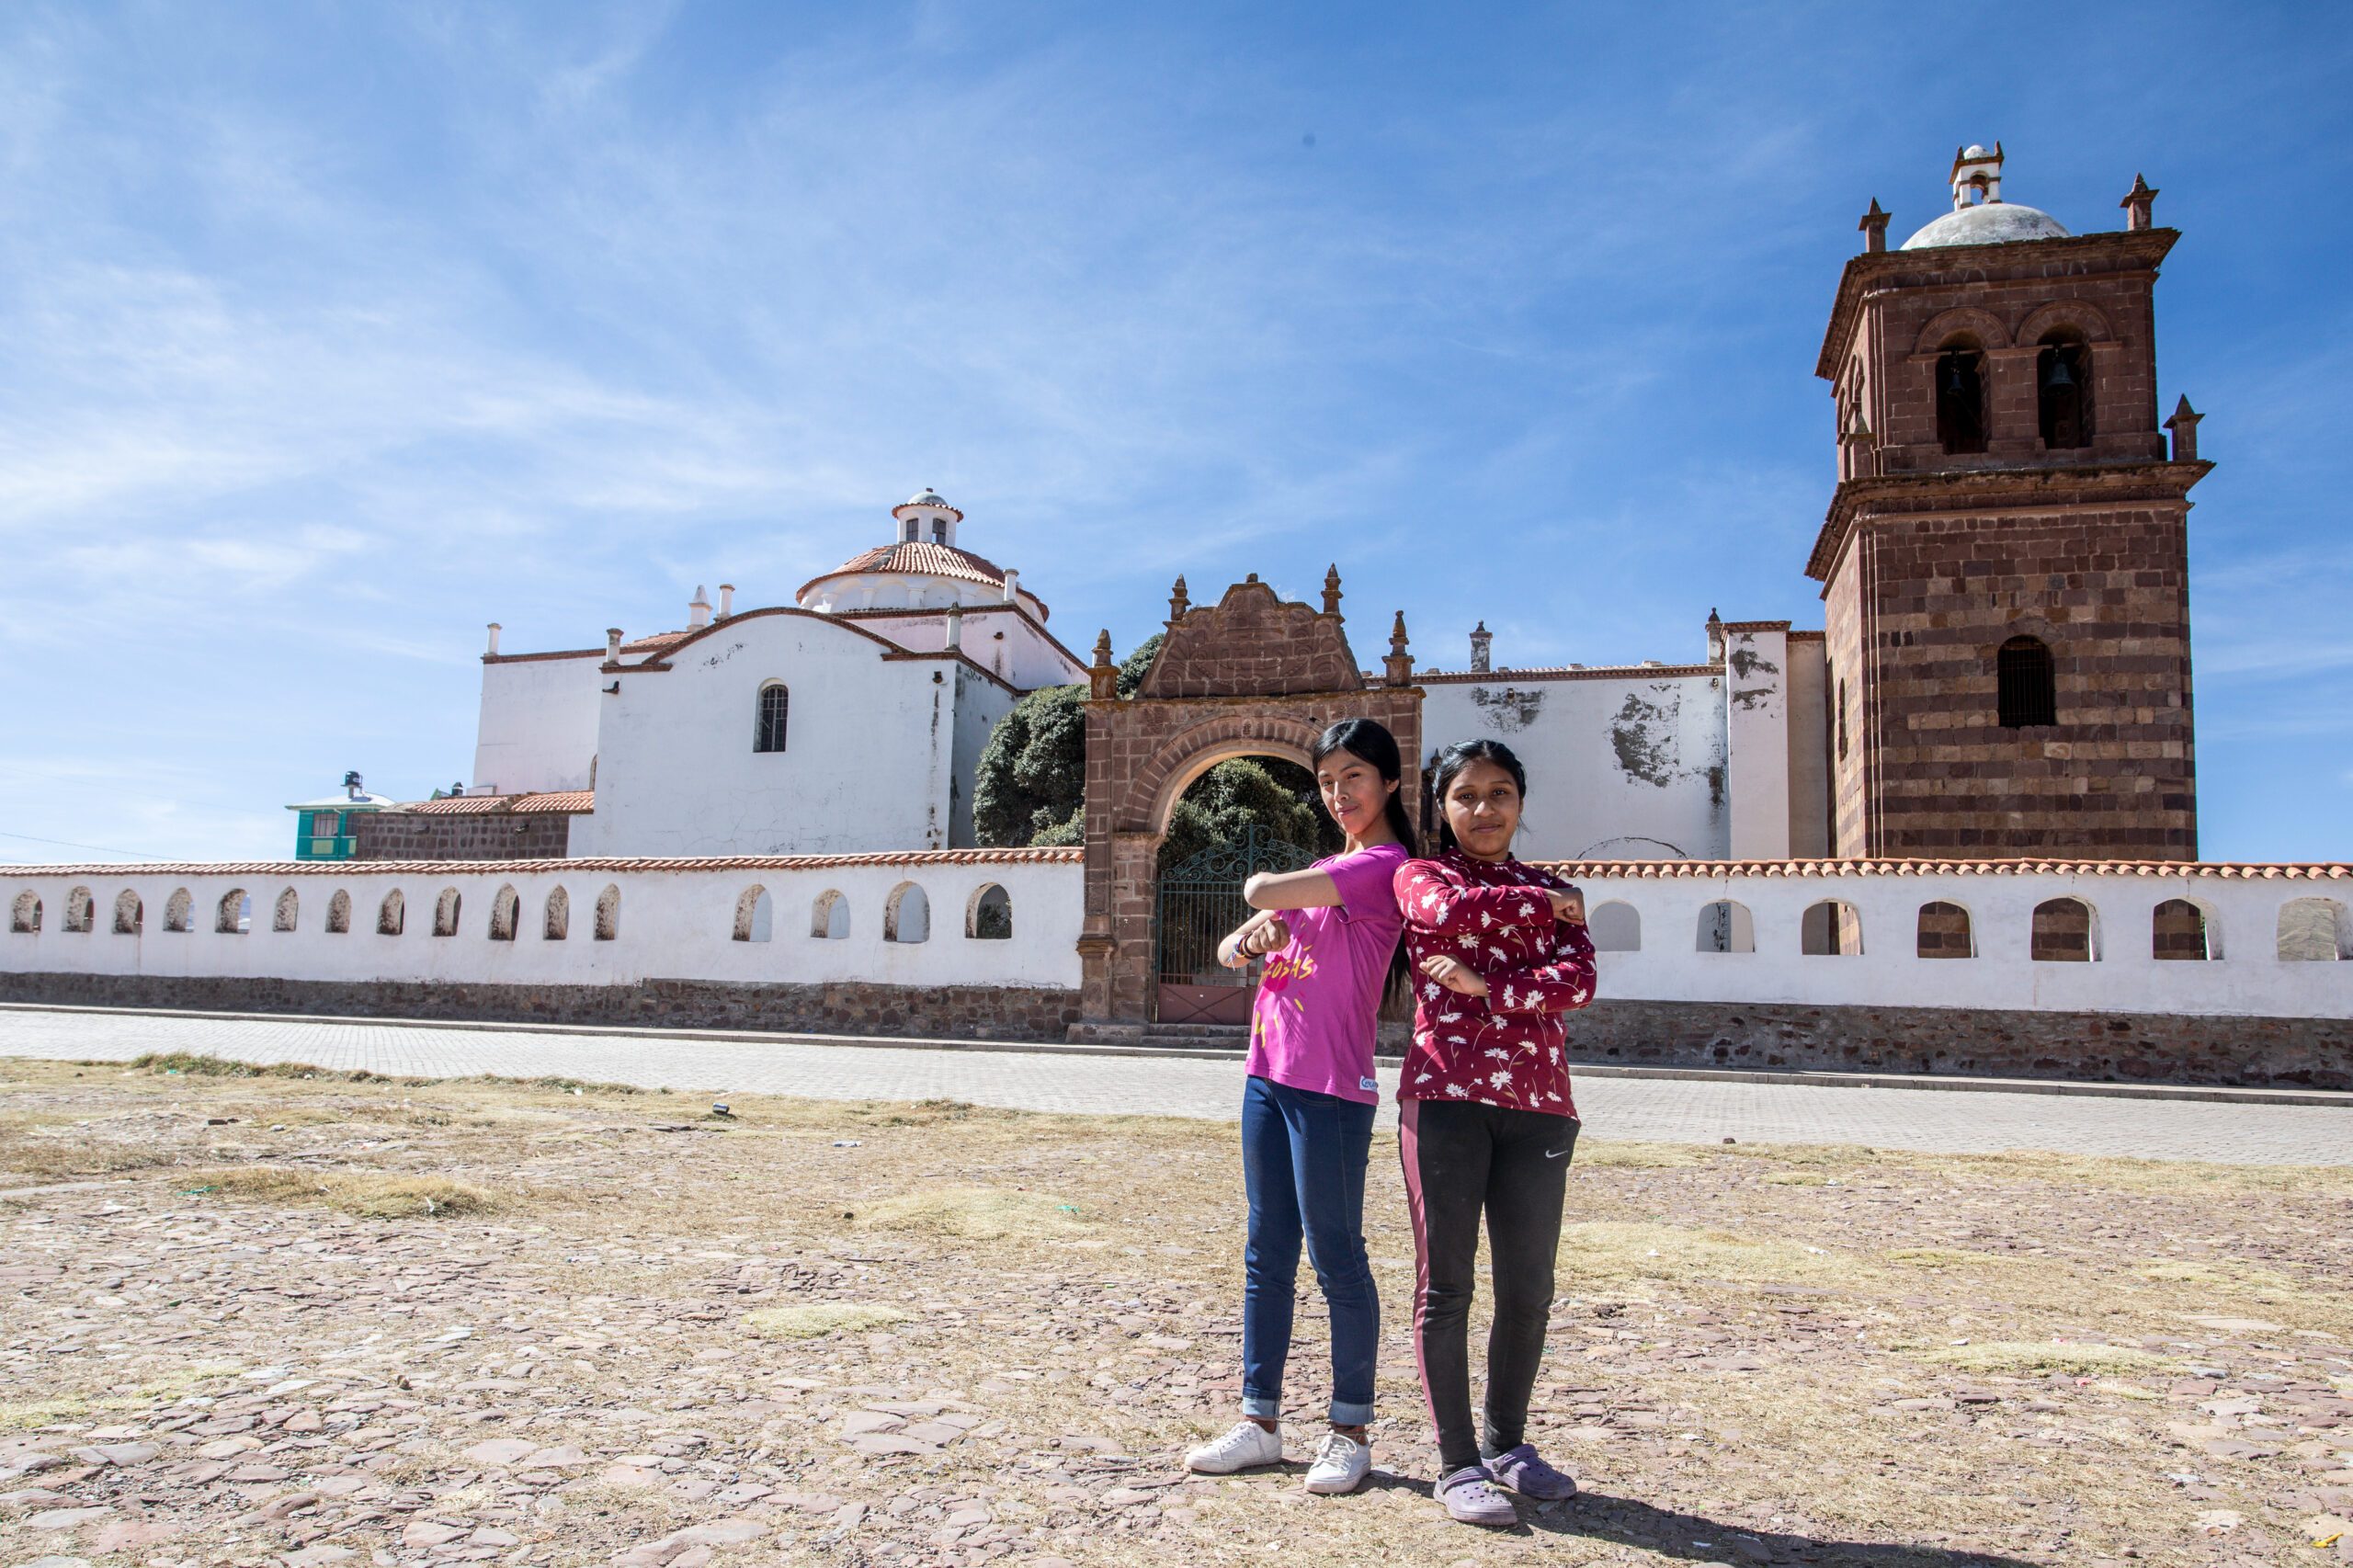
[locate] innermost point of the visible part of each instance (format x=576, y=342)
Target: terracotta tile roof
x=915, y=859
x=656, y=642
x=491, y=805
x=1700, y=869
x=920, y=557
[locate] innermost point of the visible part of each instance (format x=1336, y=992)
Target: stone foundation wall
x=962, y=1012
x=2130, y=1048
x=490, y=836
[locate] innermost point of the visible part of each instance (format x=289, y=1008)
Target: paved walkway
x=1667, y=1110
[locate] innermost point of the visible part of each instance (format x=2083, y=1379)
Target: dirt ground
x=314, y=1320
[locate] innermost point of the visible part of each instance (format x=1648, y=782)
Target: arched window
x=608, y=914
x=1832, y=929
x=505, y=913
x=2313, y=929
x=2028, y=686
x=288, y=910
x=2180, y=929
x=391, y=915
x=989, y=917
x=907, y=917
x=829, y=916
x=24, y=915
x=1726, y=927
x=2063, y=387
x=179, y=910
x=1615, y=928
x=755, y=914
x=2066, y=930
x=340, y=914
x=1944, y=932
x=81, y=909
x=445, y=913
x=230, y=917
x=1961, y=398
x=558, y=923
x=128, y=913
x=775, y=703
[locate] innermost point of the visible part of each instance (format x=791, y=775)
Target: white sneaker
x=1248, y=1445
x=1341, y=1465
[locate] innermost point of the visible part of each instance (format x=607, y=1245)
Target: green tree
x=1132, y=669
x=1030, y=788
x=1244, y=791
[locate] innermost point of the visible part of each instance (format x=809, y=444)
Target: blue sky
x=333, y=331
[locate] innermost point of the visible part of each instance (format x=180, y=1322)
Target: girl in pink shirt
x=1329, y=935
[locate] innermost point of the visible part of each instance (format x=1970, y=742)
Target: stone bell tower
x=2003, y=563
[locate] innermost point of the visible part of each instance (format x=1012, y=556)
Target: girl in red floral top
x=1499, y=952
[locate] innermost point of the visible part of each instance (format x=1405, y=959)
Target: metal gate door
x=1199, y=902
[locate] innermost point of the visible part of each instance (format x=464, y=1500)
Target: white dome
x=1989, y=223
x=925, y=498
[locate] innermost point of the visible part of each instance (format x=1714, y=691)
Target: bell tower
x=2004, y=560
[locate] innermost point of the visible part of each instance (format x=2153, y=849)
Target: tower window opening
x=2028, y=686
x=2063, y=392
x=1961, y=400
x=939, y=530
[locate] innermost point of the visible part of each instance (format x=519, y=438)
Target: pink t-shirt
x=1319, y=998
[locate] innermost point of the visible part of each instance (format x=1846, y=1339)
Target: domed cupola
x=922, y=568
x=1979, y=215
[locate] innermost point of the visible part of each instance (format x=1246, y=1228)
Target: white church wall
x=538, y=729
x=1756, y=739
x=1622, y=763
x=892, y=590
x=980, y=705
x=866, y=767
x=669, y=923
x=999, y=640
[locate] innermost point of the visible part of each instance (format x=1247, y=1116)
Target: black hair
x=1453, y=760
x=1373, y=742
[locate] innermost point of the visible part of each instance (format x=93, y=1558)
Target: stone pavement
x=1664, y=1111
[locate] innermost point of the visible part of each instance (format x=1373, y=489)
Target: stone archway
x=1252, y=674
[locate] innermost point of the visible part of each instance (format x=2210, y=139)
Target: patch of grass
x=1603, y=1154
x=1621, y=1251
x=560, y=1085
x=1796, y=1178
x=819, y=1319
x=371, y=1194
x=57, y=1155
x=190, y=1064
x=2023, y=1356
x=977, y=1213
x=920, y=1113
x=1946, y=1257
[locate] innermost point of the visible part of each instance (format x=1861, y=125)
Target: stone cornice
x=1975, y=492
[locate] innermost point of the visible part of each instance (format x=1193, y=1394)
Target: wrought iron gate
x=1199, y=902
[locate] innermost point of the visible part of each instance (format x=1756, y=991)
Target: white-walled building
x=851, y=721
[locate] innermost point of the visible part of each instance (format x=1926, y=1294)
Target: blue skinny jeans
x=1303, y=1163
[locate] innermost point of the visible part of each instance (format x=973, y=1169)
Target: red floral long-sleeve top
x=1505, y=1047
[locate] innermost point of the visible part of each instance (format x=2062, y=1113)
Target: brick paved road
x=1672, y=1110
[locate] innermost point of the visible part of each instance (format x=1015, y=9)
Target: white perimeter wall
x=1618, y=765
x=679, y=925
x=673, y=925
x=538, y=729
x=2249, y=979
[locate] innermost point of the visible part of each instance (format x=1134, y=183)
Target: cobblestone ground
x=304, y=1322
x=1660, y=1110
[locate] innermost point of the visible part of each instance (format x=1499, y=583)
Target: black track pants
x=1462, y=1159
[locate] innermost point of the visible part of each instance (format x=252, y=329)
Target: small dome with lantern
x=1979, y=215
x=921, y=568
